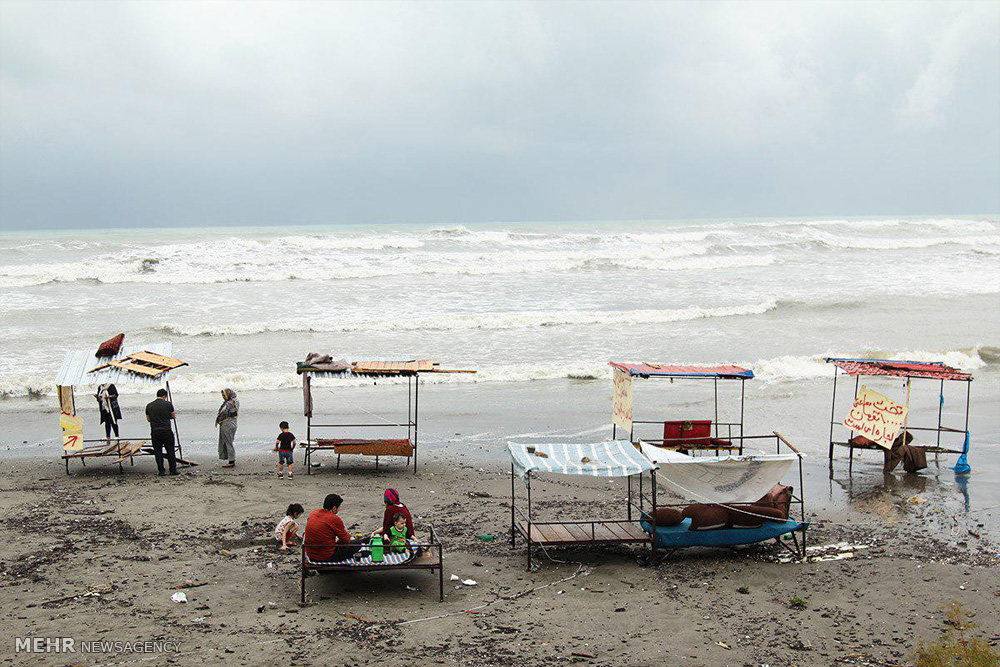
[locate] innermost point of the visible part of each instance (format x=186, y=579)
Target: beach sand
x=136, y=537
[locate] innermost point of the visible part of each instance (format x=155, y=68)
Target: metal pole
x=968, y=394
x=527, y=483
x=743, y=391
x=416, y=417
x=940, y=408
x=409, y=406
x=512, y=543
x=715, y=389
x=652, y=480
x=177, y=433
x=628, y=481
x=833, y=409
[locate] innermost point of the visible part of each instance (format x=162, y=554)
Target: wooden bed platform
x=583, y=532
x=376, y=447
x=930, y=449
x=432, y=558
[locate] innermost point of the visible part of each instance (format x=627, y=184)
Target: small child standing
x=288, y=528
x=284, y=444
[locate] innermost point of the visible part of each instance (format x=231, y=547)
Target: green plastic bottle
x=377, y=548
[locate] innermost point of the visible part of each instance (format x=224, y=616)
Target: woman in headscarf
x=226, y=421
x=394, y=507
x=107, y=402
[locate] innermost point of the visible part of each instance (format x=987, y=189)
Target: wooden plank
x=130, y=449
x=633, y=530
x=618, y=531
x=157, y=359
x=137, y=368
x=558, y=533
x=578, y=532
x=605, y=532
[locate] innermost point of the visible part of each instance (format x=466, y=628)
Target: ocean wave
x=770, y=372
x=810, y=367
x=177, y=268
x=493, y=321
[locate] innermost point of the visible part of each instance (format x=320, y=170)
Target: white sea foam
x=495, y=321
x=771, y=371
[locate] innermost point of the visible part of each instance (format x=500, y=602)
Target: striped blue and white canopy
x=617, y=458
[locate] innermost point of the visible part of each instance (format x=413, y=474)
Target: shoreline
x=141, y=535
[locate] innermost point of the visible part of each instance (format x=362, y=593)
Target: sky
x=160, y=114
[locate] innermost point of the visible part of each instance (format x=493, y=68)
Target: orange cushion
x=706, y=517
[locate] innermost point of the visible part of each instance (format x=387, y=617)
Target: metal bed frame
x=938, y=430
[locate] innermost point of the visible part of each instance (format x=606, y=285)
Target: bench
x=688, y=434
x=376, y=447
x=431, y=558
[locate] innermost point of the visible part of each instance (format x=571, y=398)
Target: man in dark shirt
x=325, y=538
x=159, y=413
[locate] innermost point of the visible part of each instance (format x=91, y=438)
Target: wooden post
x=177, y=433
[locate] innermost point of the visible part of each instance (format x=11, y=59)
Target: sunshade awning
x=617, y=458
x=77, y=364
x=675, y=370
x=894, y=368
x=718, y=479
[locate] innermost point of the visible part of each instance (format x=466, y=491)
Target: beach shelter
x=862, y=436
x=406, y=433
x=618, y=458
x=682, y=434
x=143, y=364
x=734, y=486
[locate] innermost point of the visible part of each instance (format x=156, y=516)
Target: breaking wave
x=477, y=321
x=771, y=371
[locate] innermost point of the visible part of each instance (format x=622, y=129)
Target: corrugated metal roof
x=73, y=371
x=667, y=370
x=934, y=370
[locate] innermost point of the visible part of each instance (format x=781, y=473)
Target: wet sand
x=134, y=537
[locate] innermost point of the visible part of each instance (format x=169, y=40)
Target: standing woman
x=107, y=403
x=226, y=421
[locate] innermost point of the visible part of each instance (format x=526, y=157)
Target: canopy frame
x=411, y=370
x=412, y=423
x=714, y=374
x=74, y=373
x=569, y=533
x=858, y=366
x=798, y=498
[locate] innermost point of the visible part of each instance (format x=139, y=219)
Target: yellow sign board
x=876, y=417
x=624, y=387
x=72, y=428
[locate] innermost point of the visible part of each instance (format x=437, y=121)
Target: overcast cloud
x=151, y=114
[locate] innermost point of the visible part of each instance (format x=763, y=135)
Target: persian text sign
x=622, y=407
x=877, y=417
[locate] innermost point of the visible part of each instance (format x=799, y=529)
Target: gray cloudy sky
x=203, y=113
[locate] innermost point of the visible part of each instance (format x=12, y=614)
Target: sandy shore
x=134, y=537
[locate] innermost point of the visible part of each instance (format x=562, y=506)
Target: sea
x=537, y=309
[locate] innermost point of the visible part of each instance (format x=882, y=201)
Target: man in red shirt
x=325, y=538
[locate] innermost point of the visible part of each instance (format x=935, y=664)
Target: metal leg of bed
x=302, y=577
x=440, y=574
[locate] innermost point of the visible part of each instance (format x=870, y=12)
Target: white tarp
x=718, y=479
x=616, y=458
